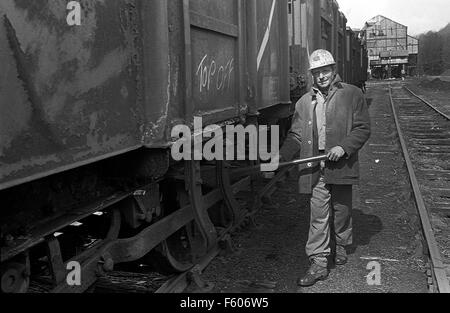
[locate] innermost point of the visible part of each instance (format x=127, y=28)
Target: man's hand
x=336, y=154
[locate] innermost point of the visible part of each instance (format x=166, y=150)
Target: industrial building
x=390, y=48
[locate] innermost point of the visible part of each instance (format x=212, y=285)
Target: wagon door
x=273, y=53
x=214, y=54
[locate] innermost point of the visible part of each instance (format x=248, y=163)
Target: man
x=333, y=120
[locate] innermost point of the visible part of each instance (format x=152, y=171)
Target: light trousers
x=331, y=208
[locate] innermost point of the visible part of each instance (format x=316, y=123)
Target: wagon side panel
x=69, y=94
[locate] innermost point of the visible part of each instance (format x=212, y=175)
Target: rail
x=428, y=103
x=439, y=269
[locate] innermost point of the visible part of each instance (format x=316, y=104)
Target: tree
x=434, y=51
x=430, y=53
x=445, y=34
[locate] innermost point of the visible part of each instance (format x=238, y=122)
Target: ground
x=436, y=90
x=271, y=255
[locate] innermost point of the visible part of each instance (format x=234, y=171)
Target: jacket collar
x=336, y=84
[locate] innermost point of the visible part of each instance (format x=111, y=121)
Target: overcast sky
x=419, y=15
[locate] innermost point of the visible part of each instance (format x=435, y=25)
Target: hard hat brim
x=316, y=67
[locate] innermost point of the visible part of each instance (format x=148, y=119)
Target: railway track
x=424, y=133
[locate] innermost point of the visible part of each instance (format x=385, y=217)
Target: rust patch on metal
x=37, y=118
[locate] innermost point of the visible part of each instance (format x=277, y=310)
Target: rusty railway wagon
x=357, y=58
x=321, y=25
x=85, y=127
x=87, y=112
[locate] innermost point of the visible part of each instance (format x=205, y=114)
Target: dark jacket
x=348, y=126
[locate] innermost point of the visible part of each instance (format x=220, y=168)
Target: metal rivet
x=309, y=164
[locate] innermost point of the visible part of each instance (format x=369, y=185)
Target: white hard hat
x=321, y=58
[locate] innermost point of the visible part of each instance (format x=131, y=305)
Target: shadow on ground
x=365, y=227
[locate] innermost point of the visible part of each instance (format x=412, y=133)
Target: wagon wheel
x=15, y=275
x=179, y=252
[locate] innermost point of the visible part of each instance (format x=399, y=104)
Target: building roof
x=376, y=19
x=414, y=39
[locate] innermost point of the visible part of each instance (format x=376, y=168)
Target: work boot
x=314, y=274
x=341, y=256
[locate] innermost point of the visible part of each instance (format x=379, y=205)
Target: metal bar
x=252, y=52
x=56, y=264
x=283, y=32
x=241, y=185
x=179, y=283
x=206, y=22
x=267, y=188
x=248, y=170
x=189, y=105
x=193, y=180
x=156, y=63
x=317, y=26
x=224, y=183
x=241, y=50
x=40, y=231
x=436, y=258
